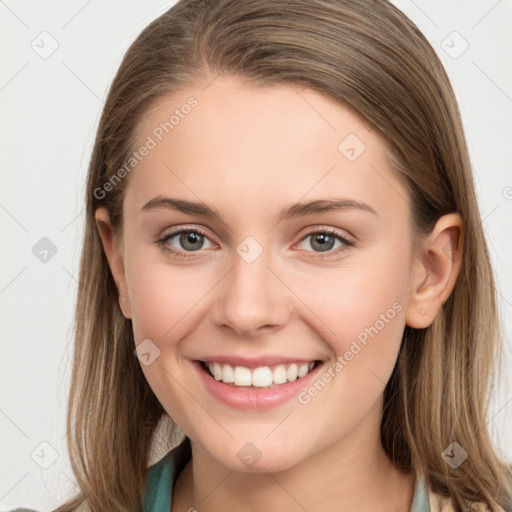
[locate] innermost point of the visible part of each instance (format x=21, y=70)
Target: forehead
x=230, y=142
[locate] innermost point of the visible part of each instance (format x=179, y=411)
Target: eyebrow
x=290, y=212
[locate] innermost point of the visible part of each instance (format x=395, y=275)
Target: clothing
x=159, y=491
x=164, y=473
x=158, y=495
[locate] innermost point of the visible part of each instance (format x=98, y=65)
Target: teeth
x=242, y=376
x=291, y=373
x=279, y=374
x=303, y=370
x=260, y=377
x=227, y=373
x=217, y=371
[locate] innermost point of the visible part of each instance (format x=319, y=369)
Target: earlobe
x=112, y=246
x=436, y=269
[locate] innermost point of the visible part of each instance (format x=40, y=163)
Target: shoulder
x=439, y=503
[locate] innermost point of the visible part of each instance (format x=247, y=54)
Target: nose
x=252, y=299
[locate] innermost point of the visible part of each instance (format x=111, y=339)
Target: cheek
x=165, y=302
x=162, y=296
x=366, y=319
x=364, y=310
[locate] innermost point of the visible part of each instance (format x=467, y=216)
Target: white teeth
x=303, y=369
x=217, y=371
x=260, y=377
x=228, y=374
x=279, y=374
x=242, y=376
x=291, y=373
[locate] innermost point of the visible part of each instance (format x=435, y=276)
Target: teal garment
x=163, y=475
x=420, y=501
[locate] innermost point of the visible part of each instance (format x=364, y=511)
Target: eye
x=190, y=240
x=324, y=239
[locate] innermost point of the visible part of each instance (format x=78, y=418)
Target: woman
x=282, y=226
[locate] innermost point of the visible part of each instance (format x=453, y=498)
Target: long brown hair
x=368, y=56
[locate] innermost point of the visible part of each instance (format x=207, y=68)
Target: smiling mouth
x=260, y=377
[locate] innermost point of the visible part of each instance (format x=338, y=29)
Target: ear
x=436, y=267
x=113, y=247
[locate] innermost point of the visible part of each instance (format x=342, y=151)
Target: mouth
x=256, y=383
x=261, y=377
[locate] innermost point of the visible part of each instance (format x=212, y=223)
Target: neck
x=353, y=474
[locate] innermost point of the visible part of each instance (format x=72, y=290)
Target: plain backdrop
x=57, y=61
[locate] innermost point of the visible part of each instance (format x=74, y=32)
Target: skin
x=249, y=152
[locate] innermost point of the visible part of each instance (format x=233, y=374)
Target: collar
x=164, y=473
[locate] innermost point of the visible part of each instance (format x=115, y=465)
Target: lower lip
x=253, y=397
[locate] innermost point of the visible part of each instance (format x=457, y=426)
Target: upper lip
x=254, y=362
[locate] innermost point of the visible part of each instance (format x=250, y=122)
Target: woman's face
x=267, y=283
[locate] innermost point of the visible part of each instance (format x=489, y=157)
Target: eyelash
x=325, y=231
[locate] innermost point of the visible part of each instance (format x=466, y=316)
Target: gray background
x=50, y=106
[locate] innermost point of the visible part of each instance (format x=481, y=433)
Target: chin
x=258, y=457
